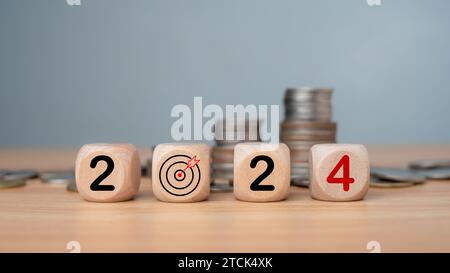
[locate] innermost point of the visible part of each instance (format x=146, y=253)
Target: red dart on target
x=190, y=164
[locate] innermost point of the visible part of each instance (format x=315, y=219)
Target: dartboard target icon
x=180, y=175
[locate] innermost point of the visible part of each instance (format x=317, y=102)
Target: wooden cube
x=181, y=172
x=262, y=172
x=108, y=172
x=339, y=172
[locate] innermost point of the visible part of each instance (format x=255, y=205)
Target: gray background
x=112, y=70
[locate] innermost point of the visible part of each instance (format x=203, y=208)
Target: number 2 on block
x=346, y=180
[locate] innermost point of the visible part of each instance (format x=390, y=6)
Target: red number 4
x=346, y=180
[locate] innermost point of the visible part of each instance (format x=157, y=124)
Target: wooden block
x=339, y=172
x=108, y=172
x=181, y=172
x=262, y=172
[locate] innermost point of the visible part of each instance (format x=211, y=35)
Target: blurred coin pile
x=228, y=133
x=394, y=178
x=12, y=179
x=418, y=172
x=308, y=114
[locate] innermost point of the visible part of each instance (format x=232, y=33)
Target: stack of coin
x=223, y=152
x=308, y=104
x=57, y=177
x=13, y=179
x=433, y=169
x=394, y=178
x=428, y=164
x=307, y=122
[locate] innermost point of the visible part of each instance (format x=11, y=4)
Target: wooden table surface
x=44, y=218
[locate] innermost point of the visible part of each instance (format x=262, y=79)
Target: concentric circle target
x=176, y=178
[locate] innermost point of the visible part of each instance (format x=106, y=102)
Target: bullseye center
x=179, y=175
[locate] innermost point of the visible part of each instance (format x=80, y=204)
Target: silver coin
x=222, y=155
x=300, y=169
x=57, y=177
x=292, y=125
x=310, y=108
x=72, y=186
x=307, y=98
x=299, y=176
x=288, y=132
x=306, y=91
x=226, y=180
x=299, y=157
x=305, y=144
x=300, y=165
x=436, y=174
x=308, y=138
x=303, y=94
x=222, y=171
x=22, y=174
x=309, y=118
x=300, y=172
x=430, y=164
x=299, y=182
x=226, y=148
x=298, y=150
x=400, y=175
x=295, y=125
x=223, y=166
x=307, y=110
x=219, y=180
x=301, y=111
x=221, y=187
x=378, y=183
x=229, y=143
x=222, y=159
x=218, y=160
x=10, y=181
x=298, y=147
x=223, y=149
x=311, y=103
x=223, y=175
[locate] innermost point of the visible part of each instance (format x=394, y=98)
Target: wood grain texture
x=42, y=217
